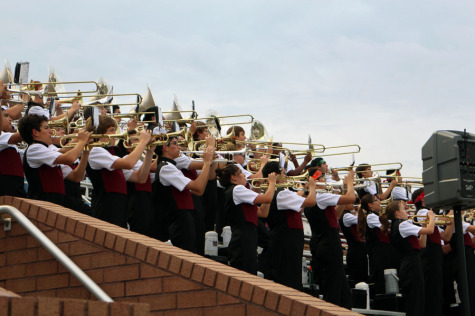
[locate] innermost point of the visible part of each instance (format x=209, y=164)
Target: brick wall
x=134, y=268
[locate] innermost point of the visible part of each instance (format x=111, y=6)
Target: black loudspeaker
x=448, y=160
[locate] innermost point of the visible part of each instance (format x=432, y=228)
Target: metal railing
x=56, y=252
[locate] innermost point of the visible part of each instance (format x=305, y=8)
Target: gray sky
x=381, y=74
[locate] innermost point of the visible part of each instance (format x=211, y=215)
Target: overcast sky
x=381, y=74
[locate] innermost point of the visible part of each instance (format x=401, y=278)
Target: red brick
x=96, y=308
x=119, y=244
x=65, y=237
x=196, y=299
x=120, y=309
x=8, y=200
x=130, y=247
x=51, y=219
x=42, y=214
x=285, y=305
x=81, y=247
x=13, y=271
x=107, y=259
x=224, y=299
x=313, y=311
x=48, y=306
x=80, y=229
x=74, y=292
x=141, y=287
x=239, y=310
x=60, y=221
x=209, y=278
x=84, y=261
x=141, y=309
x=160, y=301
x=100, y=236
x=15, y=243
x=147, y=271
x=114, y=290
x=16, y=203
x=141, y=252
x=74, y=307
x=109, y=240
x=198, y=273
x=43, y=254
x=259, y=295
x=257, y=310
x=163, y=260
x=41, y=268
x=90, y=233
x=177, y=284
x=22, y=306
x=272, y=299
x=222, y=281
x=175, y=265
x=22, y=256
x=21, y=285
x=121, y=273
x=234, y=287
x=53, y=281
x=182, y=312
x=4, y=303
x=246, y=291
x=298, y=308
x=186, y=268
x=152, y=256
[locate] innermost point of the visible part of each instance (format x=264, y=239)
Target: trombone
x=439, y=219
x=30, y=87
x=397, y=164
x=124, y=136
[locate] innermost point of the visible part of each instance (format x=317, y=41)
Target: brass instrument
x=31, y=88
x=124, y=136
x=398, y=164
x=439, y=219
x=257, y=163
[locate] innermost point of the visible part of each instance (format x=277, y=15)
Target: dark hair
x=362, y=167
x=225, y=174
x=159, y=148
x=362, y=211
x=237, y=130
x=389, y=214
x=115, y=107
x=200, y=128
x=271, y=166
x=415, y=195
x=149, y=116
x=105, y=122
x=28, y=123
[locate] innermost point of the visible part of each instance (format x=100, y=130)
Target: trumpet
x=124, y=136
x=439, y=219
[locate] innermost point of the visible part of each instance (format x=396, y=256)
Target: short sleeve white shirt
x=100, y=158
x=183, y=162
x=350, y=219
x=247, y=173
x=325, y=200
x=243, y=195
x=370, y=187
x=288, y=200
x=373, y=221
x=4, y=139
x=171, y=176
x=407, y=229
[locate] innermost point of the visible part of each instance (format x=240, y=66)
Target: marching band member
x=356, y=255
x=286, y=230
x=322, y=166
x=11, y=168
x=174, y=194
x=325, y=243
x=432, y=259
x=109, y=173
x=377, y=241
x=44, y=165
x=404, y=237
x=364, y=171
x=242, y=213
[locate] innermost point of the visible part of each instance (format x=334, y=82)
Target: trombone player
x=45, y=165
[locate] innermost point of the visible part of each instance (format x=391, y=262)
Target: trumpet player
x=11, y=169
x=45, y=165
x=404, y=237
x=286, y=230
x=109, y=173
x=364, y=171
x=432, y=256
x=325, y=243
x=173, y=200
